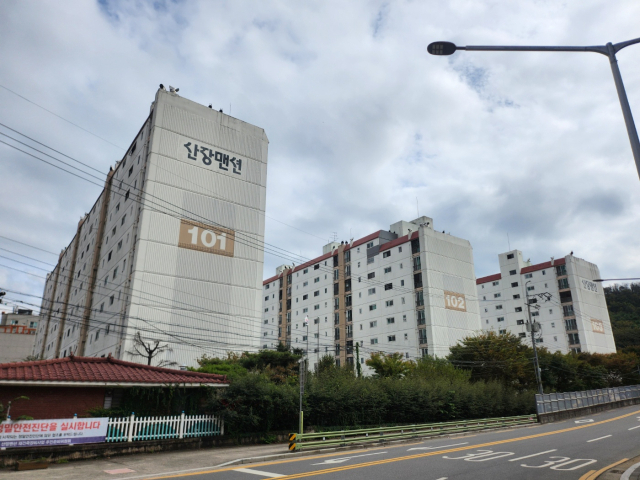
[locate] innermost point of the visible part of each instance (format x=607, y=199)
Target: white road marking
x=344, y=459
x=633, y=428
x=599, y=438
x=258, y=472
x=534, y=455
x=436, y=448
x=588, y=420
x=627, y=474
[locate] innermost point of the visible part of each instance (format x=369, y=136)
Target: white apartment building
x=410, y=289
x=173, y=247
x=570, y=307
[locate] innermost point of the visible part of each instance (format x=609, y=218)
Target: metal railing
x=132, y=428
x=303, y=441
x=557, y=402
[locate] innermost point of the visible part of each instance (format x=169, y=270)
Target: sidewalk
x=146, y=464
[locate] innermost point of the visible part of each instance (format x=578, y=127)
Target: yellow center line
x=381, y=462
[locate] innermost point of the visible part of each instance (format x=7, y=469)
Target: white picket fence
x=132, y=428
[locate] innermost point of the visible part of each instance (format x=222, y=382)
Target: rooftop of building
x=529, y=269
x=103, y=371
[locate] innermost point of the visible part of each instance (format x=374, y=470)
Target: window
x=402, y=283
x=373, y=324
x=370, y=245
x=563, y=283
x=126, y=196
x=386, y=254
x=502, y=332
x=316, y=280
x=402, y=298
x=421, y=317
x=374, y=341
x=111, y=299
x=119, y=244
x=522, y=335
x=388, y=286
x=115, y=272
x=305, y=310
x=113, y=232
x=495, y=284
x=118, y=207
x=519, y=322
x=372, y=291
x=404, y=318
x=512, y=272
x=305, y=284
x=535, y=314
x=516, y=296
x=553, y=324
x=391, y=338
x=514, y=284
x=391, y=320
x=304, y=297
x=567, y=310
x=266, y=298
x=316, y=293
x=316, y=307
x=370, y=260
x=316, y=266
x=389, y=303
x=387, y=270
x=497, y=295
x=510, y=256
x=498, y=307
x=306, y=270
x=528, y=275
x=571, y=324
x=372, y=307
x=501, y=319
x=109, y=256
x=539, y=340
x=550, y=310
x=124, y=218
x=518, y=309
x=531, y=288
x=371, y=275
x=422, y=336
x=561, y=270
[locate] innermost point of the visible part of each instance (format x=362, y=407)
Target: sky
x=507, y=150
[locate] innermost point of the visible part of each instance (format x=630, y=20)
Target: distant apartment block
x=173, y=247
x=569, y=305
x=17, y=334
x=410, y=289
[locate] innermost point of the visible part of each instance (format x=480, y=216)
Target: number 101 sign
x=455, y=301
x=205, y=238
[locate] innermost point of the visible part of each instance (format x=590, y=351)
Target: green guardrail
x=303, y=441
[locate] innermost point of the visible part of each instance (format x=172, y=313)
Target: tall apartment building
x=570, y=307
x=410, y=289
x=17, y=334
x=173, y=247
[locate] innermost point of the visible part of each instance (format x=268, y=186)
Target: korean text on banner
x=68, y=431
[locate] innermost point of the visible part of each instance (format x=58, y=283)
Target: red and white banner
x=34, y=433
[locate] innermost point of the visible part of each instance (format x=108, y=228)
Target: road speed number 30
x=455, y=301
x=206, y=238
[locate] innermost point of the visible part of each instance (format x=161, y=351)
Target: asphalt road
x=574, y=449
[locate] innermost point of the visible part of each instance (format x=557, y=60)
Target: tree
x=150, y=350
x=4, y=415
x=391, y=365
x=489, y=356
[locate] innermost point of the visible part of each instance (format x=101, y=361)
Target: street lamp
x=610, y=50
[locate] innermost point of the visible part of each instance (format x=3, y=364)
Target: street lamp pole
x=610, y=50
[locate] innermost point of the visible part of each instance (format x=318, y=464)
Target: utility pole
x=358, y=367
x=318, y=356
x=533, y=342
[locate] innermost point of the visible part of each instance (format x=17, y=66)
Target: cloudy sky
x=361, y=120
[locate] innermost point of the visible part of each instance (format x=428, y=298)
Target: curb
x=617, y=472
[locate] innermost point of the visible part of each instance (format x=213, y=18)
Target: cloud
x=361, y=120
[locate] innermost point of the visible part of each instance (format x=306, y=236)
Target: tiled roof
x=490, y=278
x=101, y=370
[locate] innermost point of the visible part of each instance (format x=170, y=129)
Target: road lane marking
x=429, y=454
x=627, y=474
x=633, y=428
x=534, y=455
x=344, y=459
x=599, y=438
x=589, y=420
x=420, y=455
x=259, y=472
x=435, y=448
x=593, y=474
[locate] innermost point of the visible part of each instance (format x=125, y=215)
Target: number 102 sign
x=454, y=301
x=206, y=238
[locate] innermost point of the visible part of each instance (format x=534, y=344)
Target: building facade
x=410, y=289
x=17, y=334
x=569, y=306
x=172, y=249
